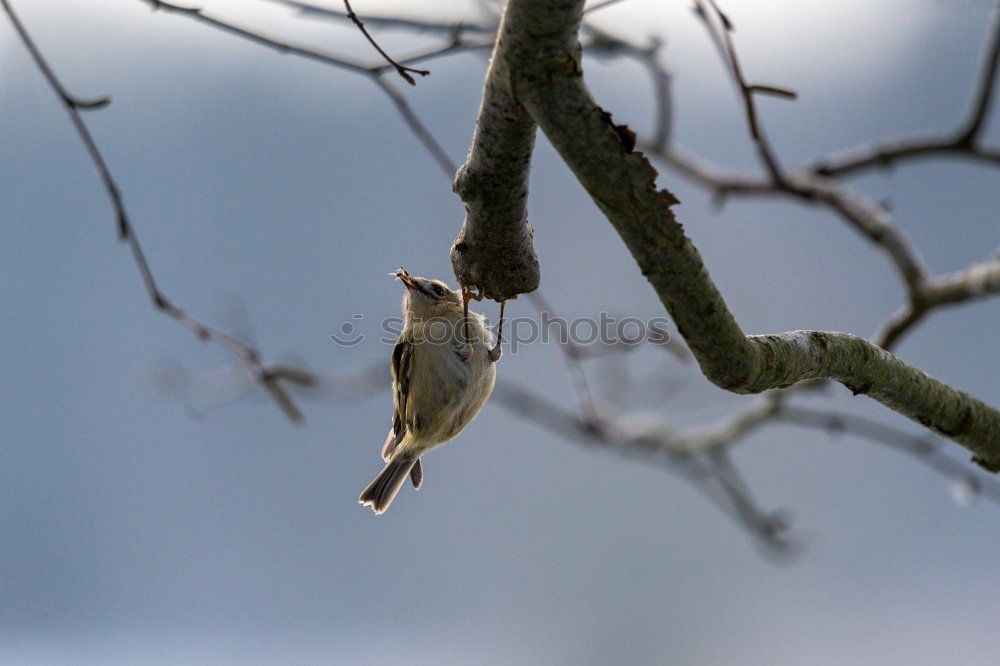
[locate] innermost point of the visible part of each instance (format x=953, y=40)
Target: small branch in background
x=603, y=43
x=978, y=281
x=601, y=4
x=865, y=216
x=225, y=25
x=456, y=44
x=719, y=28
x=392, y=22
x=327, y=58
x=812, y=185
x=400, y=69
x=454, y=32
x=962, y=142
x=700, y=470
x=925, y=449
x=574, y=368
x=417, y=126
x=771, y=528
x=126, y=233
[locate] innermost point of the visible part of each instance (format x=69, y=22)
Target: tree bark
x=536, y=75
x=494, y=251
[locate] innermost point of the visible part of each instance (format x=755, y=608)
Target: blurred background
x=273, y=195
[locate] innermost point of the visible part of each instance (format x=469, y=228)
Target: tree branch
x=546, y=79
x=925, y=291
x=719, y=28
x=494, y=252
x=404, y=72
x=391, y=22
x=327, y=58
x=268, y=376
x=710, y=473
x=963, y=142
x=977, y=281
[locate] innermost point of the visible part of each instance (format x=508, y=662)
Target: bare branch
x=325, y=57
x=400, y=69
x=603, y=43
x=975, y=282
x=719, y=28
x=921, y=447
x=493, y=251
x=888, y=153
x=455, y=45
x=417, y=127
x=708, y=474
x=868, y=217
x=571, y=354
x=126, y=232
x=328, y=58
x=622, y=184
x=601, y=4
x=963, y=142
x=982, y=98
x=861, y=213
x=391, y=22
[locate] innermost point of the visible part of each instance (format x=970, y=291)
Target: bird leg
x=495, y=353
x=467, y=296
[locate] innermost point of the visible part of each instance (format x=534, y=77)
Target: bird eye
x=437, y=290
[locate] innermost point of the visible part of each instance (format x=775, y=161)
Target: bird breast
x=451, y=381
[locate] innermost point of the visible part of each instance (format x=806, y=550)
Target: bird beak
x=410, y=283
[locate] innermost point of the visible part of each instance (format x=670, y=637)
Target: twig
x=962, y=142
x=597, y=6
x=328, y=58
x=603, y=43
x=923, y=448
x=810, y=185
x=770, y=527
x=571, y=354
x=390, y=22
x=417, y=127
x=977, y=281
x=861, y=213
x=722, y=39
x=325, y=57
x=455, y=45
x=126, y=232
x=400, y=69
x=699, y=470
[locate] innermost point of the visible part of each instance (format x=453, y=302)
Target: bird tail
x=380, y=492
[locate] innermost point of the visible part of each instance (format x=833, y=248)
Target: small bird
x=442, y=374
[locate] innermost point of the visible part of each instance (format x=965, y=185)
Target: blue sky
x=143, y=530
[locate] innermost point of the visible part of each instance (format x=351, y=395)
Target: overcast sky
x=273, y=195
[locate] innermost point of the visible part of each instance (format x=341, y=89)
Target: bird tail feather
x=380, y=492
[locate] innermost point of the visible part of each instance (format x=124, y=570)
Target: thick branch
x=494, y=250
x=547, y=80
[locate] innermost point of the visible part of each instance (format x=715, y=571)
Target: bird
x=443, y=372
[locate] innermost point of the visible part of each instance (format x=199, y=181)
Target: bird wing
x=402, y=372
